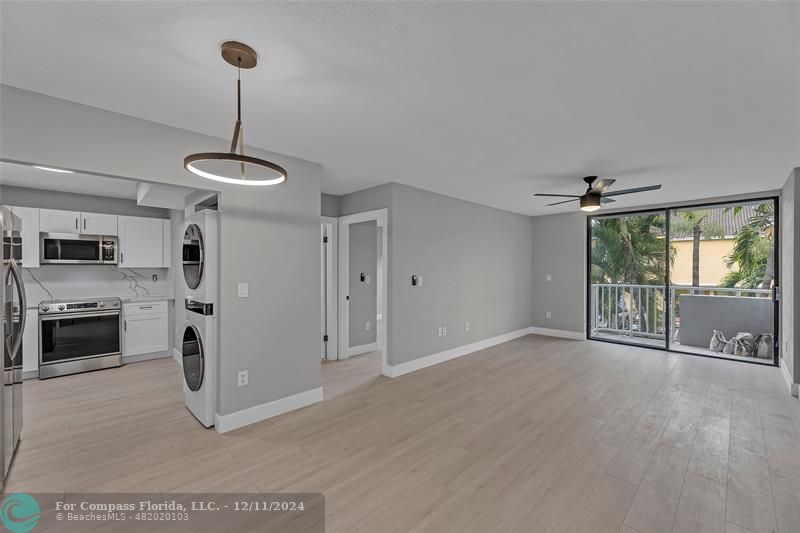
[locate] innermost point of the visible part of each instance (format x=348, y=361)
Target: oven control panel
x=79, y=306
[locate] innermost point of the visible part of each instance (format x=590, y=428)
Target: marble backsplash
x=60, y=282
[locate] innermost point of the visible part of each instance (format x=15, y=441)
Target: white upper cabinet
x=142, y=242
x=57, y=221
x=30, y=235
x=98, y=224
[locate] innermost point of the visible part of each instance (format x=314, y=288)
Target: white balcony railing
x=640, y=310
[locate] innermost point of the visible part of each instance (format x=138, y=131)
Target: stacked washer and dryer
x=199, y=353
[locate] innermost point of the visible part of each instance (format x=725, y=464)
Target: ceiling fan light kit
x=596, y=193
x=590, y=202
x=232, y=167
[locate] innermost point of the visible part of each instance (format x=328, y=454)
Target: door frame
x=381, y=217
x=776, y=293
x=329, y=226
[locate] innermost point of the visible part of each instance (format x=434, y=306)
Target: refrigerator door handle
x=23, y=315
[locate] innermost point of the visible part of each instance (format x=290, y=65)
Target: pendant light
x=232, y=167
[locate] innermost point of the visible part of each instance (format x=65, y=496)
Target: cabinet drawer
x=145, y=308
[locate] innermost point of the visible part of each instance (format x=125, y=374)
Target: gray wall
x=269, y=236
x=25, y=197
x=789, y=265
x=363, y=295
x=559, y=249
x=329, y=205
x=454, y=246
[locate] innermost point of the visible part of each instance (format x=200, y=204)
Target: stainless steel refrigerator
x=14, y=306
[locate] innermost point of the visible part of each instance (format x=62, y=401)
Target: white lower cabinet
x=145, y=328
x=30, y=341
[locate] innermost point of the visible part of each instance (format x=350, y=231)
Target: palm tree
x=697, y=222
x=630, y=250
x=753, y=251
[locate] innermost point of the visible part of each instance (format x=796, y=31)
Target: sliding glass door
x=722, y=278
x=628, y=261
x=699, y=279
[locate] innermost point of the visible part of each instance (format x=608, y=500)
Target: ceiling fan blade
x=605, y=200
x=631, y=191
x=564, y=202
x=602, y=185
x=560, y=195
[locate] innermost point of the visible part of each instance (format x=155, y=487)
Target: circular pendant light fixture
x=232, y=167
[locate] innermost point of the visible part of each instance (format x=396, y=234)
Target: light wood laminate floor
x=538, y=434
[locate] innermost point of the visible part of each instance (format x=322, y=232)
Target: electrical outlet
x=419, y=281
x=466, y=326
x=367, y=279
x=549, y=277
x=243, y=290
x=548, y=315
x=444, y=331
x=440, y=332
x=242, y=378
x=368, y=325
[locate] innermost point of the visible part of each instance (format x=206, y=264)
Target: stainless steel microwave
x=75, y=249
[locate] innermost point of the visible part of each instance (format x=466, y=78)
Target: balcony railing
x=640, y=310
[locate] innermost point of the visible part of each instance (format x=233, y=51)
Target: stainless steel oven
x=78, y=336
x=74, y=249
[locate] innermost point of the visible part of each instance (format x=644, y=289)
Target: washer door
x=193, y=256
x=193, y=358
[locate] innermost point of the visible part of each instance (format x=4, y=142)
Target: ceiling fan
x=596, y=193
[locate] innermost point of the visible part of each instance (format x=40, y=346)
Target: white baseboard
x=794, y=388
x=251, y=415
x=361, y=349
x=562, y=333
x=441, y=357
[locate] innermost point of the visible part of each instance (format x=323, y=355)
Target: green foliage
x=752, y=252
x=628, y=249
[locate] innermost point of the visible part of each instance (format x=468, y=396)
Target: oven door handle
x=45, y=318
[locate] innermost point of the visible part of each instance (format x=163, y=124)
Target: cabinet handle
x=84, y=223
x=76, y=223
x=125, y=325
x=145, y=307
x=122, y=257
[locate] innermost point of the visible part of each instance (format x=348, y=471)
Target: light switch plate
x=243, y=290
x=549, y=277
x=369, y=325
x=547, y=315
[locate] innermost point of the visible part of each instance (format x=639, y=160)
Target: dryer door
x=193, y=256
x=193, y=358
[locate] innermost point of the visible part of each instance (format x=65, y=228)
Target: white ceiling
x=489, y=102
